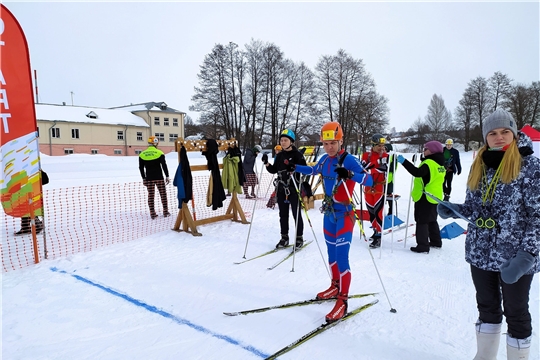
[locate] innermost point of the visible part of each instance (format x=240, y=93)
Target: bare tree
x=438, y=118
x=479, y=90
x=500, y=85
x=464, y=119
x=523, y=104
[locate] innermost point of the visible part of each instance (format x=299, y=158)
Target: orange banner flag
x=20, y=185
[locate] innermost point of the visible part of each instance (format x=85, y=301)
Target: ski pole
x=409, y=204
x=253, y=211
x=372, y=259
x=301, y=201
x=443, y=204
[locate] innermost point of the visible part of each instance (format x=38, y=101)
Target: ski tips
x=232, y=313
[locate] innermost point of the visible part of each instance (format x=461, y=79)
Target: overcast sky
x=112, y=54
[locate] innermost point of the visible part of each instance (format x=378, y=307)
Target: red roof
x=531, y=132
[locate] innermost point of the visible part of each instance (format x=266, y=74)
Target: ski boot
x=284, y=242
x=339, y=310
x=329, y=293
x=299, y=242
x=376, y=243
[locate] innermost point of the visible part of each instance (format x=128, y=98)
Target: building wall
x=104, y=139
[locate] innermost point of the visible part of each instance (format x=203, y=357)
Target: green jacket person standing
x=151, y=164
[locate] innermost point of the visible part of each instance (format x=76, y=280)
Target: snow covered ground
x=163, y=296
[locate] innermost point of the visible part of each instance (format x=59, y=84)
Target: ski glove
x=447, y=210
x=167, y=181
x=516, y=267
x=400, y=159
x=265, y=159
x=291, y=167
x=342, y=173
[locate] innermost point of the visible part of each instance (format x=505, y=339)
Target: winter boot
x=331, y=292
x=25, y=226
x=376, y=243
x=299, y=242
x=339, y=310
x=517, y=349
x=487, y=340
x=419, y=250
x=284, y=242
x=39, y=226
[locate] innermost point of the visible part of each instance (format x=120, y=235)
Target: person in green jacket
x=152, y=165
x=429, y=177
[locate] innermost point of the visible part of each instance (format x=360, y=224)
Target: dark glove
x=400, y=159
x=382, y=160
x=289, y=166
x=167, y=181
x=516, y=267
x=459, y=173
x=342, y=173
x=265, y=159
x=446, y=210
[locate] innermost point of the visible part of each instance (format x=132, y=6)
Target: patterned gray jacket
x=516, y=211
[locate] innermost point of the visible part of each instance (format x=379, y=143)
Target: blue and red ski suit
x=338, y=211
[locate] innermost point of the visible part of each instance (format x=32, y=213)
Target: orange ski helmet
x=331, y=131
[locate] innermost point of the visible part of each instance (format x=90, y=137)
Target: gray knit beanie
x=499, y=119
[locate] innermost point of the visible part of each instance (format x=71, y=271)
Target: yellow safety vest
x=435, y=185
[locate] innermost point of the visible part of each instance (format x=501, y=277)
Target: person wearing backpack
x=286, y=193
x=338, y=170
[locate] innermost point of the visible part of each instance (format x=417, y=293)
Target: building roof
x=152, y=106
x=89, y=115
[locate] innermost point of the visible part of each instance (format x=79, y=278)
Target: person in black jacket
x=26, y=220
x=151, y=163
x=251, y=176
x=428, y=178
x=286, y=192
x=453, y=166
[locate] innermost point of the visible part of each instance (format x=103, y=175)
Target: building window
x=94, y=151
x=55, y=132
x=117, y=152
x=156, y=120
x=68, y=151
x=173, y=137
x=160, y=136
x=174, y=122
x=75, y=133
x=139, y=136
x=165, y=121
x=120, y=135
x=137, y=152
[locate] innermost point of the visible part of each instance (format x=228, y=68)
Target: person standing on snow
x=453, y=166
x=286, y=191
x=503, y=200
x=151, y=163
x=338, y=169
x=251, y=176
x=376, y=162
x=429, y=177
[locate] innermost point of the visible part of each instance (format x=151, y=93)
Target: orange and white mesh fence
x=84, y=218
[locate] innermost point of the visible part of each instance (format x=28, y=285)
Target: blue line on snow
x=155, y=310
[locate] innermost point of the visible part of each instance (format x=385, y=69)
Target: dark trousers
x=283, y=203
x=151, y=187
x=447, y=184
x=490, y=290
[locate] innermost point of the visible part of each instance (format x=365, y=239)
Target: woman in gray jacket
x=502, y=247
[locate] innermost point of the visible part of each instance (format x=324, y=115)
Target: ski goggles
x=488, y=223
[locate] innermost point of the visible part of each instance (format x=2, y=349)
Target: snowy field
x=163, y=296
